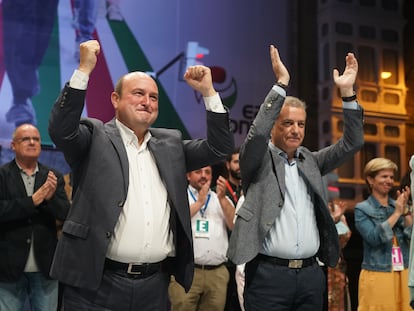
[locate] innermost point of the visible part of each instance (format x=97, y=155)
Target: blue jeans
x=41, y=293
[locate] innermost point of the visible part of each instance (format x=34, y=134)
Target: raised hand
x=221, y=187
x=279, y=69
x=337, y=210
x=200, y=79
x=46, y=191
x=346, y=81
x=402, y=199
x=202, y=194
x=88, y=56
x=51, y=184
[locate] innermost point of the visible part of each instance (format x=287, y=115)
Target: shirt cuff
x=279, y=90
x=214, y=104
x=350, y=105
x=79, y=80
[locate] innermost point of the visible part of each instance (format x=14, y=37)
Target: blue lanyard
x=204, y=207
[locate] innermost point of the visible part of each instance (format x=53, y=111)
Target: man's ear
x=115, y=99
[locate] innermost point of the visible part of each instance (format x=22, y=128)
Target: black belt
x=207, y=267
x=133, y=270
x=291, y=263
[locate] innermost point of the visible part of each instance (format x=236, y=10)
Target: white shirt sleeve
x=214, y=104
x=79, y=80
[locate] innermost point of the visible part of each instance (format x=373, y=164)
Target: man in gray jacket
x=284, y=223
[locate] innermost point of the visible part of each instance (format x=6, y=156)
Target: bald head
x=135, y=101
x=23, y=128
x=26, y=144
x=132, y=75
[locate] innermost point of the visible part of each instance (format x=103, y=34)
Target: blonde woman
x=385, y=227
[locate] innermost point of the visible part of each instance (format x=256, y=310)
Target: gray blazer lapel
x=279, y=170
x=310, y=174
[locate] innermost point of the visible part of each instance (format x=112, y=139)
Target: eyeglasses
x=27, y=139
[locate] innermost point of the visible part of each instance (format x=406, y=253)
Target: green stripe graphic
x=135, y=59
x=49, y=77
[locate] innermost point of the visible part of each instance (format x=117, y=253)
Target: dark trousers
x=118, y=292
x=273, y=287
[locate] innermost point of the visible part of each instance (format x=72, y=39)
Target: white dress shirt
x=210, y=249
x=294, y=235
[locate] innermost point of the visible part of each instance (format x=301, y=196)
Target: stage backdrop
x=161, y=37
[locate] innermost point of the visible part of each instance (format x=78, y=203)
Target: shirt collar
x=298, y=153
x=194, y=190
x=128, y=136
x=376, y=204
x=22, y=171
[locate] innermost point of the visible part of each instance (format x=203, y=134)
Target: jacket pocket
x=75, y=229
x=245, y=213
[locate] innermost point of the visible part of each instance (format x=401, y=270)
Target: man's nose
x=295, y=127
x=146, y=100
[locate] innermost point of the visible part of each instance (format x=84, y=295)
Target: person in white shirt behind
x=211, y=215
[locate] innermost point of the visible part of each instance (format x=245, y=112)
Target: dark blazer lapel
x=174, y=183
x=115, y=137
x=41, y=177
x=160, y=154
x=16, y=180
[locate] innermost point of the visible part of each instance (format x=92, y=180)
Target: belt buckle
x=295, y=263
x=130, y=271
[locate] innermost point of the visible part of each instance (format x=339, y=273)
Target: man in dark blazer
x=284, y=222
x=32, y=201
x=129, y=226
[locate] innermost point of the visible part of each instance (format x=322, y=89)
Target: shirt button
x=108, y=234
x=28, y=241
